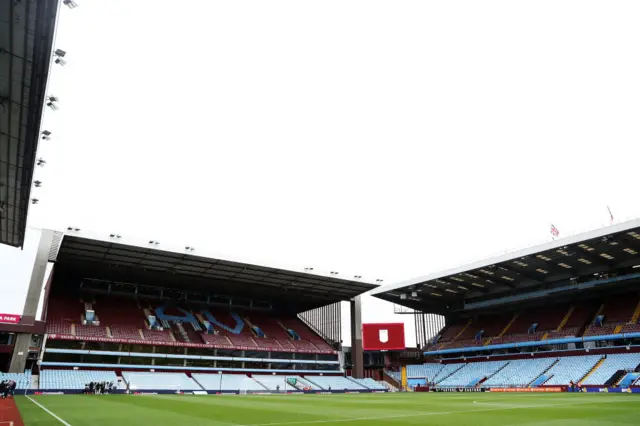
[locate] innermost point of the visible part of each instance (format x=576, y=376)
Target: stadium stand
x=615, y=312
x=572, y=368
x=612, y=364
x=273, y=383
x=369, y=383
x=23, y=380
x=473, y=374
x=334, y=383
x=239, y=382
x=160, y=381
x=121, y=318
x=520, y=372
x=74, y=379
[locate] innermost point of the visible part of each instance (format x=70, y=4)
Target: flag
x=610, y=214
x=554, y=231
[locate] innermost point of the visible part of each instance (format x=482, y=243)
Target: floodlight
x=34, y=201
x=37, y=183
x=61, y=62
x=46, y=135
x=51, y=102
x=60, y=53
x=41, y=162
x=70, y=4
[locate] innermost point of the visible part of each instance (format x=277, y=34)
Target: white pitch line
x=51, y=413
x=440, y=413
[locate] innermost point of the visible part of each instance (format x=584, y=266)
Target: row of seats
x=591, y=369
x=23, y=380
x=75, y=379
x=126, y=319
x=620, y=312
x=141, y=381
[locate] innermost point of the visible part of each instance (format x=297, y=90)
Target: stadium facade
x=152, y=319
x=552, y=316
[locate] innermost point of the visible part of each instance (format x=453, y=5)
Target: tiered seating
x=216, y=382
x=62, y=312
x=581, y=314
x=23, y=380
x=571, y=368
x=305, y=333
x=617, y=312
x=307, y=384
x=159, y=381
x=472, y=374
x=122, y=318
x=74, y=379
x=369, y=383
x=449, y=333
x=548, y=319
x=217, y=339
x=91, y=331
x=274, y=382
x=520, y=372
x=158, y=335
x=429, y=371
x=242, y=340
x=334, y=382
x=611, y=364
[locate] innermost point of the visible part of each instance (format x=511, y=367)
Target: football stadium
x=118, y=330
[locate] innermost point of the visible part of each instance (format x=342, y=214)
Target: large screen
x=383, y=337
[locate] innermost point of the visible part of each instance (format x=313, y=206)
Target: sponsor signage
x=383, y=337
x=10, y=319
x=547, y=389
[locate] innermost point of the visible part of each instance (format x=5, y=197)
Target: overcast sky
x=382, y=138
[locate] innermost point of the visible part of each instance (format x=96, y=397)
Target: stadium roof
x=26, y=40
x=561, y=264
x=112, y=259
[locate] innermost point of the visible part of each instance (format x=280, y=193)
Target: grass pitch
x=448, y=409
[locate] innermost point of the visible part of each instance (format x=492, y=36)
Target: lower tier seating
x=74, y=379
x=610, y=365
x=520, y=372
x=23, y=380
x=473, y=373
x=334, y=383
x=160, y=381
x=571, y=368
x=369, y=383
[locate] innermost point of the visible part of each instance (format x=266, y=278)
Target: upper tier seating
x=611, y=364
x=369, y=383
x=122, y=318
x=571, y=368
x=472, y=373
x=23, y=380
x=160, y=381
x=334, y=382
x=74, y=379
x=520, y=372
x=617, y=311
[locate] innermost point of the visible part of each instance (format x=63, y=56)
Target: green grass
x=380, y=409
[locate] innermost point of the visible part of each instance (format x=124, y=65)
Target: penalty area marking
x=51, y=413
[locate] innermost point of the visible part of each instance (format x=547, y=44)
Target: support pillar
x=23, y=340
x=357, y=354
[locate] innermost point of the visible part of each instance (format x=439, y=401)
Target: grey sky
x=386, y=139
